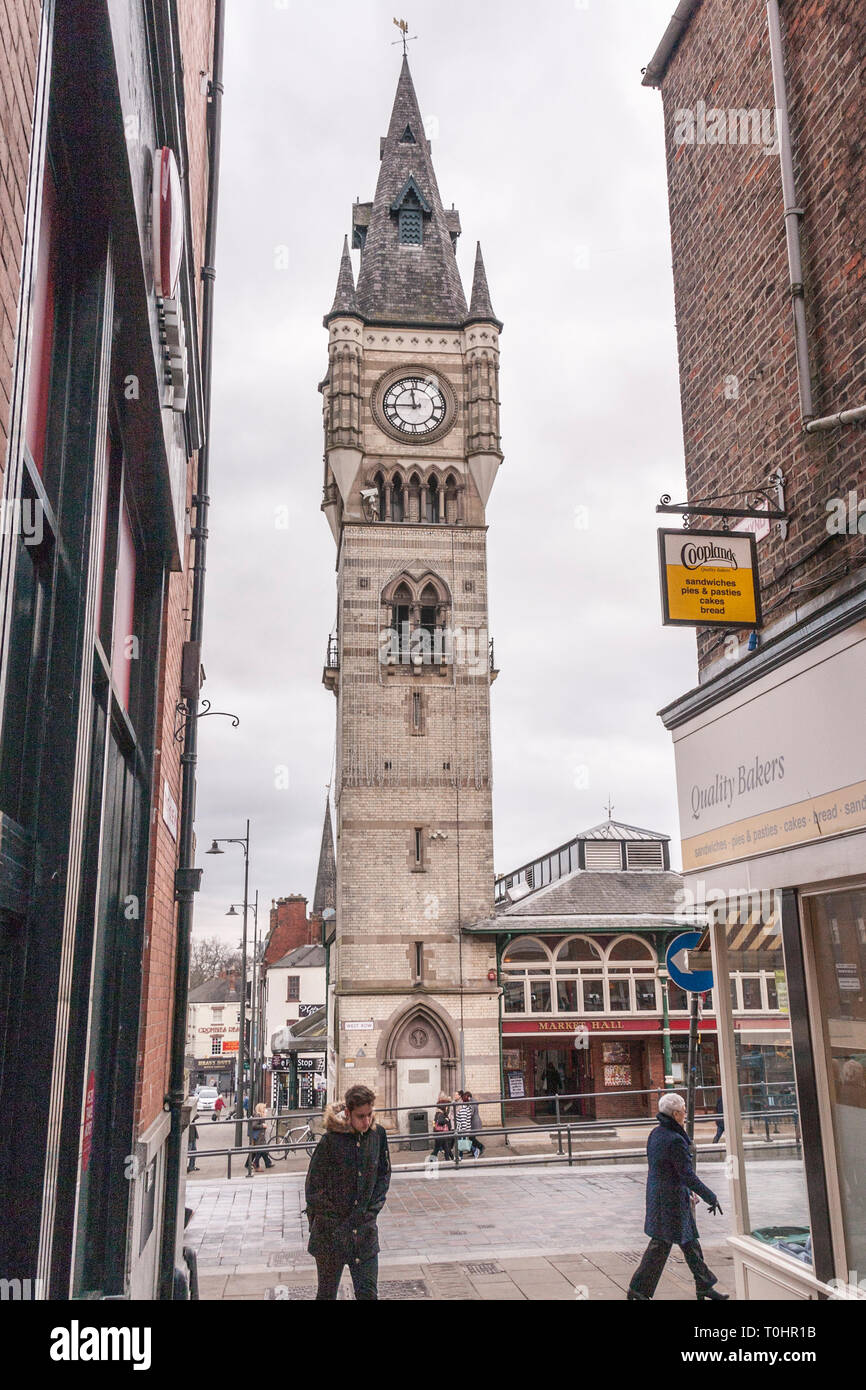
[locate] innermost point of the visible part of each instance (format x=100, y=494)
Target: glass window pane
x=678, y=1000
x=645, y=993
x=576, y=948
x=525, y=950
x=514, y=997
x=772, y=992
x=752, y=994
x=765, y=1097
x=593, y=995
x=735, y=1003
x=539, y=996
x=629, y=949
x=619, y=996
x=566, y=996
x=839, y=933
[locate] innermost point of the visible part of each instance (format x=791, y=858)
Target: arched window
x=397, y=499
x=632, y=976
x=401, y=612
x=577, y=948
x=433, y=500
x=379, y=484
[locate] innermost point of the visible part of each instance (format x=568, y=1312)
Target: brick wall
x=289, y=928
x=19, y=45
x=196, y=30
x=738, y=377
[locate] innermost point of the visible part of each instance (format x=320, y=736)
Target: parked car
x=207, y=1098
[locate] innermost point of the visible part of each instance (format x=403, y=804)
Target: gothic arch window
x=379, y=484
x=398, y=499
x=450, y=499
x=417, y=610
x=432, y=499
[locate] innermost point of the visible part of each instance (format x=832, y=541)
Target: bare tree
x=209, y=955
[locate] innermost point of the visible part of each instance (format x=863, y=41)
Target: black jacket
x=347, y=1184
x=671, y=1178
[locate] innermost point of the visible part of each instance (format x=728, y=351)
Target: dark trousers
x=444, y=1143
x=649, y=1271
x=365, y=1276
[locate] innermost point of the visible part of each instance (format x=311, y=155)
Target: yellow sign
x=709, y=578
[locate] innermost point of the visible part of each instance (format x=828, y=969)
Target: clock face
x=414, y=405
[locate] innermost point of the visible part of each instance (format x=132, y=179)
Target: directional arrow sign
x=696, y=981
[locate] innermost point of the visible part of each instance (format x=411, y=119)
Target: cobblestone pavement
x=471, y=1235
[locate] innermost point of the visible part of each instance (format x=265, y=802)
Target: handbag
x=464, y=1146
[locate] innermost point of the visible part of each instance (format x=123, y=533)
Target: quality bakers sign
x=709, y=578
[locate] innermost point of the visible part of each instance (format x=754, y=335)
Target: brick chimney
x=289, y=928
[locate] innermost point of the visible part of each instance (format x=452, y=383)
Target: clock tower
x=411, y=418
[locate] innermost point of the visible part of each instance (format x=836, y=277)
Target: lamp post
x=242, y=1048
x=255, y=1001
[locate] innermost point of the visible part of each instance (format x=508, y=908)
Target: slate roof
x=216, y=991
x=604, y=900
x=325, y=894
x=409, y=284
x=301, y=957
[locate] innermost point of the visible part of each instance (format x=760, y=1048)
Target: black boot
x=712, y=1293
x=634, y=1296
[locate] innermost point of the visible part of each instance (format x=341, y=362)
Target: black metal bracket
x=181, y=717
x=772, y=492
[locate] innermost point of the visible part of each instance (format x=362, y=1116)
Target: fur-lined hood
x=337, y=1120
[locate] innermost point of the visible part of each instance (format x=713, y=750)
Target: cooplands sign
x=709, y=578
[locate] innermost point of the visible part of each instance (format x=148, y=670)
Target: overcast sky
x=553, y=152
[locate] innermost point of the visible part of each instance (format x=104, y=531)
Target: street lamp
x=215, y=849
x=255, y=1001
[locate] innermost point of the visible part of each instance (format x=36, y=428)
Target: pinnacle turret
x=345, y=298
x=480, y=308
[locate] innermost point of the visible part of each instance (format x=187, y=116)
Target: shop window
x=763, y=1104
x=678, y=1000
x=837, y=923
x=645, y=994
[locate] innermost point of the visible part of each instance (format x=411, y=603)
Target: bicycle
x=292, y=1142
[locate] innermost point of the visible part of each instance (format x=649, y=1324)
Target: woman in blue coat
x=669, y=1208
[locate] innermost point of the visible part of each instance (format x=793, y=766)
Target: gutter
x=679, y=22
x=187, y=877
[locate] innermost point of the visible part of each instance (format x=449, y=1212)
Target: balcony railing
x=332, y=659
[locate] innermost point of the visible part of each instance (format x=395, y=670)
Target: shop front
x=771, y=773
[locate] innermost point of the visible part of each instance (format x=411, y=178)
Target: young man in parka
x=347, y=1184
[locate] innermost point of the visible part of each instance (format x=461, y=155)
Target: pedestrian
x=720, y=1122
x=219, y=1107
x=192, y=1148
x=443, y=1128
x=258, y=1137
x=669, y=1205
x=347, y=1184
x=468, y=1123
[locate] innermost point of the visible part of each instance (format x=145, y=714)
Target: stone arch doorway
x=418, y=1059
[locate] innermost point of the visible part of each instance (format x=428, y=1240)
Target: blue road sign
x=696, y=981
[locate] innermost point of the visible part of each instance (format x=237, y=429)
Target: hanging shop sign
x=167, y=238
x=709, y=578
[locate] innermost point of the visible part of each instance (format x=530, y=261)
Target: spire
x=325, y=894
x=345, y=299
x=480, y=309
x=412, y=282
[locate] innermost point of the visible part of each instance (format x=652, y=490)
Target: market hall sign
x=709, y=578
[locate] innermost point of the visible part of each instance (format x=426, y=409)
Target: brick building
x=765, y=122
x=411, y=416
x=107, y=121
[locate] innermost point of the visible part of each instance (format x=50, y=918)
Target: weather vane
x=609, y=809
x=405, y=36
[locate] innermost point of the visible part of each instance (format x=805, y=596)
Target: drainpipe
x=187, y=876
x=793, y=213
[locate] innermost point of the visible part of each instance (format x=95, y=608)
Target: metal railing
x=566, y=1133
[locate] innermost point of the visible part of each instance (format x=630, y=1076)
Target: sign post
x=696, y=983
